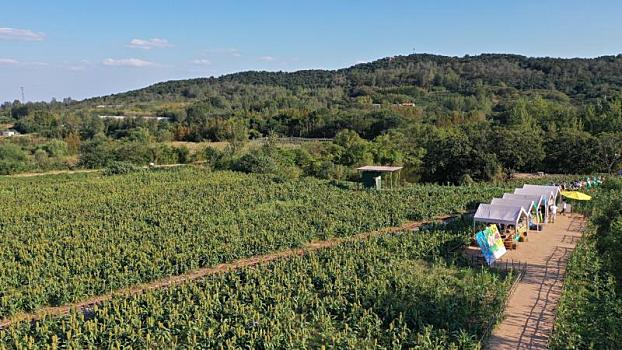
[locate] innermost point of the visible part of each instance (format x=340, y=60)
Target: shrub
x=56, y=148
x=120, y=168
x=12, y=159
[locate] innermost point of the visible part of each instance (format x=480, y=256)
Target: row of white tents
x=530, y=203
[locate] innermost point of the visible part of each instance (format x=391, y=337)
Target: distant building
x=156, y=118
x=109, y=106
x=121, y=117
x=8, y=133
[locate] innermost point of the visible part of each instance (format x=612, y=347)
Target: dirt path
x=530, y=312
x=87, y=304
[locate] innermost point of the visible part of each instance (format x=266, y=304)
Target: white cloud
x=8, y=61
x=20, y=34
x=224, y=52
x=82, y=65
x=202, y=62
x=149, y=43
x=127, y=62
x=266, y=58
x=13, y=62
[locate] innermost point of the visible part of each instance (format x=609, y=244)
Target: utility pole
x=22, y=90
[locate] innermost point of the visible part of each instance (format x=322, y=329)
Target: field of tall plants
x=68, y=237
x=589, y=315
x=405, y=290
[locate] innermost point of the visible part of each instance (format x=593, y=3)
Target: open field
x=68, y=237
x=392, y=290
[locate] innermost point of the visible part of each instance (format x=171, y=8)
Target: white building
x=8, y=133
x=122, y=117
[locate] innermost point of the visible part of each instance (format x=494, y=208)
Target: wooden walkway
x=530, y=312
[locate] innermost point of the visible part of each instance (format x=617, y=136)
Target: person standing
x=553, y=213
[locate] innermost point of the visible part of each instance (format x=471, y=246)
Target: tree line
x=446, y=119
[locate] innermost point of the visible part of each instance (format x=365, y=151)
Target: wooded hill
x=443, y=117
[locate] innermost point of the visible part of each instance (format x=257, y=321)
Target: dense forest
x=446, y=119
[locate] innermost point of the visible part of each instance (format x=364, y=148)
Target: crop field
x=68, y=237
x=404, y=290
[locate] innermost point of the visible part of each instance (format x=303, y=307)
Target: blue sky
x=90, y=48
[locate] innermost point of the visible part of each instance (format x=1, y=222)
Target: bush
x=96, y=153
x=56, y=148
x=12, y=159
x=215, y=159
x=183, y=154
x=256, y=162
x=120, y=168
x=466, y=180
x=612, y=184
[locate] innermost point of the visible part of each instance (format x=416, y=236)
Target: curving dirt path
x=193, y=275
x=530, y=313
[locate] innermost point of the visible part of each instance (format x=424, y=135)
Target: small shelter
x=547, y=195
x=527, y=204
x=555, y=190
x=539, y=202
x=500, y=214
x=371, y=175
x=549, y=198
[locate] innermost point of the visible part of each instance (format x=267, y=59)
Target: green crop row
x=391, y=291
x=589, y=314
x=65, y=238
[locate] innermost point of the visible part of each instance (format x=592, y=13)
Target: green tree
x=571, y=151
x=356, y=151
x=610, y=150
x=518, y=149
x=96, y=153
x=12, y=159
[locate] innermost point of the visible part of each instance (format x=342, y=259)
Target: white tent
x=538, y=200
x=500, y=214
x=526, y=204
x=547, y=195
x=555, y=190
x=549, y=199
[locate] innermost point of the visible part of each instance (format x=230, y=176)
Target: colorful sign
x=491, y=244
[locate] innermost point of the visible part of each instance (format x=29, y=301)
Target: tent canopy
x=526, y=204
x=554, y=189
x=499, y=214
x=576, y=195
x=548, y=195
x=538, y=200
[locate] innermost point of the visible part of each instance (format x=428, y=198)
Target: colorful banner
x=491, y=244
